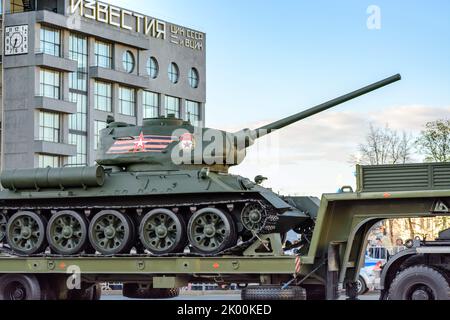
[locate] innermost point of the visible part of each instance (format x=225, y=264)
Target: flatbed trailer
x=329, y=264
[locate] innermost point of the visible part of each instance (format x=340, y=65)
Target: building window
x=193, y=78
x=128, y=61
x=49, y=126
x=81, y=158
x=50, y=41
x=46, y=161
x=172, y=106
x=103, y=96
x=127, y=99
x=17, y=6
x=103, y=54
x=150, y=104
x=152, y=67
x=78, y=121
x=78, y=51
x=50, y=84
x=98, y=126
x=174, y=73
x=192, y=112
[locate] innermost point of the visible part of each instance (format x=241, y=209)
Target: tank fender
x=275, y=200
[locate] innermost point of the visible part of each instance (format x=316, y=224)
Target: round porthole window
x=128, y=61
x=174, y=73
x=152, y=67
x=193, y=78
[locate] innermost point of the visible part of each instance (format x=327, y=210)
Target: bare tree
x=434, y=141
x=384, y=145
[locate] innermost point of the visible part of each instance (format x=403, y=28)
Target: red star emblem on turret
x=140, y=144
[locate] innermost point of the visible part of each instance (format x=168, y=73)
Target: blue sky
x=269, y=59
x=278, y=56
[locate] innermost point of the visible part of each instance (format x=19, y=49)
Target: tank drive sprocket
x=253, y=217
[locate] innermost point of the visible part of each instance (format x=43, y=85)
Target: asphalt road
x=225, y=297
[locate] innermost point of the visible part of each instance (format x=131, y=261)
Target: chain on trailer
x=268, y=226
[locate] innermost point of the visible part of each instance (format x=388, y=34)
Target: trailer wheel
x=134, y=291
x=19, y=287
x=256, y=293
x=419, y=283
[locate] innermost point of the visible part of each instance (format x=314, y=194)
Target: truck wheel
x=256, y=293
x=419, y=283
x=19, y=287
x=362, y=286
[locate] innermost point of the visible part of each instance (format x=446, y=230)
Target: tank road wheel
x=67, y=232
x=26, y=233
x=19, y=287
x=211, y=231
x=3, y=223
x=110, y=232
x=162, y=231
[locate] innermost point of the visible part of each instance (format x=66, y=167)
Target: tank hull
x=115, y=215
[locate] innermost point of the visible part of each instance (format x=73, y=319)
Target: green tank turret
x=162, y=188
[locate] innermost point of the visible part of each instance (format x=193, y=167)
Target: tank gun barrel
x=260, y=132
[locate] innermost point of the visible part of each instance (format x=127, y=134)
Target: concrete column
x=182, y=108
x=202, y=114
x=90, y=122
x=91, y=52
x=64, y=129
x=65, y=43
x=139, y=108
x=115, y=99
x=162, y=104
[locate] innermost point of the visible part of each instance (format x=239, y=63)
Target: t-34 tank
x=162, y=188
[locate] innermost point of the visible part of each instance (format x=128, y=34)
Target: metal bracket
x=267, y=245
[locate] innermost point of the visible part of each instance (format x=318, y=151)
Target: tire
x=419, y=283
x=132, y=290
x=256, y=293
x=19, y=287
x=362, y=286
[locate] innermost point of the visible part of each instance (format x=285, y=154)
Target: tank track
x=271, y=218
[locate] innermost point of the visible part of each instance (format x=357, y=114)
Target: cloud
x=320, y=147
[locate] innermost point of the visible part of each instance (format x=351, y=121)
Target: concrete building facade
x=68, y=64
